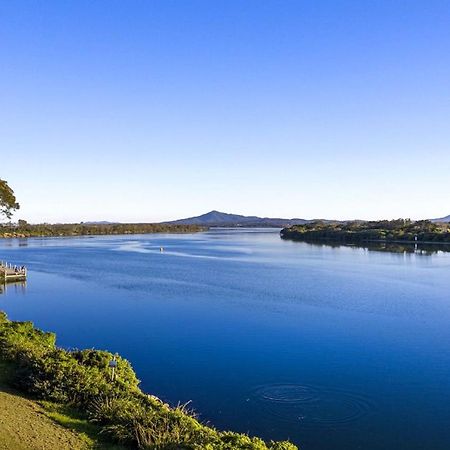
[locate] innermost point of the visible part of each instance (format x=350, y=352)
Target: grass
x=72, y=419
x=43, y=425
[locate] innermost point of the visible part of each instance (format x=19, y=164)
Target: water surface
x=332, y=347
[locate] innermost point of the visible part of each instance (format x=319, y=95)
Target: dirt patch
x=24, y=426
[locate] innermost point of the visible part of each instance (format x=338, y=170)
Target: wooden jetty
x=8, y=272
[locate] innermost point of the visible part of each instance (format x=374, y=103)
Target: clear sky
x=153, y=110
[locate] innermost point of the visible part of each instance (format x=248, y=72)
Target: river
x=335, y=348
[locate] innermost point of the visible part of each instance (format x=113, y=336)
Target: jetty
x=9, y=272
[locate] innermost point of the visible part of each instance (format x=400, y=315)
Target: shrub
x=82, y=378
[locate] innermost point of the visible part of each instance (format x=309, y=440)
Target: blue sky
x=152, y=110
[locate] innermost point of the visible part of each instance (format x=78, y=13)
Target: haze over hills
x=442, y=219
x=221, y=219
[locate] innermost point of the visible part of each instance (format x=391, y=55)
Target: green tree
x=8, y=202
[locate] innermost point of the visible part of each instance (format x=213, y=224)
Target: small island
x=359, y=232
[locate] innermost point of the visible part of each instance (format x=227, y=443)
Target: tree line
x=354, y=232
x=9, y=204
x=24, y=229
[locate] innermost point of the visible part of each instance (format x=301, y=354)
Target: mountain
x=442, y=219
x=221, y=219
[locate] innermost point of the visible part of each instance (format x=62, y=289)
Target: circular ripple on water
x=312, y=406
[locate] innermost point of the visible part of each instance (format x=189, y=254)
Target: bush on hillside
x=82, y=378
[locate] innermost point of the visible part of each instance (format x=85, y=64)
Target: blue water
x=334, y=348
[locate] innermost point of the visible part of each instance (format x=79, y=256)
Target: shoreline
x=103, y=388
x=81, y=230
x=382, y=232
x=368, y=241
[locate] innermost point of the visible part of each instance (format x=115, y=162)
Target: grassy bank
x=24, y=229
x=43, y=425
x=80, y=382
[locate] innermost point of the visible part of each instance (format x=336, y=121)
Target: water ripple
x=312, y=406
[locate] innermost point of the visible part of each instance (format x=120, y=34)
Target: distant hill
x=100, y=222
x=221, y=219
x=442, y=219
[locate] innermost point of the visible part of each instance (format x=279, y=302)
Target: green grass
x=72, y=419
x=49, y=422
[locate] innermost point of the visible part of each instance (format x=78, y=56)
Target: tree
x=8, y=202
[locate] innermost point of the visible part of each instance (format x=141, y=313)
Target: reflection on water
x=420, y=249
x=14, y=287
x=390, y=247
x=23, y=242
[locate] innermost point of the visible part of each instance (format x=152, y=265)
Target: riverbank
x=25, y=230
x=43, y=425
x=401, y=231
x=113, y=401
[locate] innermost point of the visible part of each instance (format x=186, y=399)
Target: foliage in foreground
x=403, y=230
x=8, y=202
x=81, y=378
